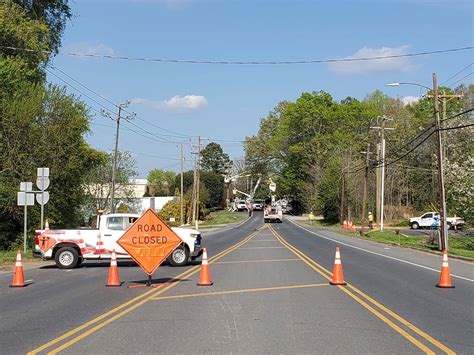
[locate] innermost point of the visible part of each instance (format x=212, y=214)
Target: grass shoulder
x=223, y=217
x=462, y=246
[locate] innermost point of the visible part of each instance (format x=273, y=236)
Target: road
x=270, y=295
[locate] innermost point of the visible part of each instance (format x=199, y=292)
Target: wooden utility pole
x=366, y=178
x=341, y=213
x=198, y=180
x=439, y=151
x=377, y=184
x=182, y=185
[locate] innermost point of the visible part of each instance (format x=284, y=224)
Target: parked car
x=427, y=220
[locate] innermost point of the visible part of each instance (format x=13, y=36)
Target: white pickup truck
x=427, y=220
x=70, y=247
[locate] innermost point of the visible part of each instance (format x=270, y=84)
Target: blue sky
x=226, y=102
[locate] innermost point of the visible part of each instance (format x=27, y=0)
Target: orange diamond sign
x=149, y=241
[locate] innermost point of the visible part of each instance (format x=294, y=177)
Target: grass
x=460, y=246
x=223, y=217
x=9, y=256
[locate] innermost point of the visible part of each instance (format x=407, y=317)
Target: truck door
x=427, y=220
x=114, y=228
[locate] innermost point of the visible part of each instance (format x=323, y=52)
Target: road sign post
x=25, y=198
x=149, y=241
x=42, y=181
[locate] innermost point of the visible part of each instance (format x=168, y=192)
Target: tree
x=214, y=184
x=98, y=184
x=53, y=13
x=214, y=159
x=161, y=182
x=18, y=30
x=43, y=127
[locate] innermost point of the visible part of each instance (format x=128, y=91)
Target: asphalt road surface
x=270, y=295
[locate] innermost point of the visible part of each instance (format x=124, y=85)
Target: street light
x=408, y=83
x=442, y=200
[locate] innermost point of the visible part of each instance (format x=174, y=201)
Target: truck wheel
x=66, y=258
x=415, y=225
x=179, y=256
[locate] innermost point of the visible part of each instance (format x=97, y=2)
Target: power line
x=177, y=135
x=464, y=77
x=85, y=87
x=79, y=91
x=458, y=114
x=241, y=62
x=152, y=156
x=457, y=127
x=453, y=76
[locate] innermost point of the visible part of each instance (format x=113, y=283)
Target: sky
x=177, y=102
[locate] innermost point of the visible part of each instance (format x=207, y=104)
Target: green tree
x=43, y=127
x=214, y=159
x=161, y=182
x=18, y=30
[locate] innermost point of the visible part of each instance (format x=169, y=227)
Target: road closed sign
x=149, y=241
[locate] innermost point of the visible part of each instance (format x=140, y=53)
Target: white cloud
x=177, y=103
x=402, y=64
x=408, y=100
x=87, y=48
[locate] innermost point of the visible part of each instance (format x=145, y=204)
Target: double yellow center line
x=370, y=304
x=125, y=308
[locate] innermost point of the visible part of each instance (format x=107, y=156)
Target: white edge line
x=373, y=252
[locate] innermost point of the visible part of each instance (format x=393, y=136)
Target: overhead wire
x=242, y=62
x=464, y=77
x=454, y=75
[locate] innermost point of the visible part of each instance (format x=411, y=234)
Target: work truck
x=429, y=219
x=70, y=247
x=273, y=214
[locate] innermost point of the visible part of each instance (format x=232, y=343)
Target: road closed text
x=149, y=240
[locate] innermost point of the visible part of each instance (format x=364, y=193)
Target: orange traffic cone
x=337, y=274
x=46, y=224
x=18, y=276
x=445, y=277
x=113, y=279
x=204, y=276
x=344, y=225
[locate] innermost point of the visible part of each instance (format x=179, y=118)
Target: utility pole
x=366, y=178
x=198, y=178
x=341, y=213
x=382, y=173
x=377, y=183
x=442, y=201
x=114, y=166
x=182, y=184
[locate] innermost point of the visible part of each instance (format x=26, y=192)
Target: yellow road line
x=323, y=271
x=254, y=261
x=262, y=248
x=151, y=292
x=276, y=288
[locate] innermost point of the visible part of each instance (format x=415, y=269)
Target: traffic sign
x=42, y=198
x=42, y=182
x=26, y=199
x=26, y=186
x=149, y=241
